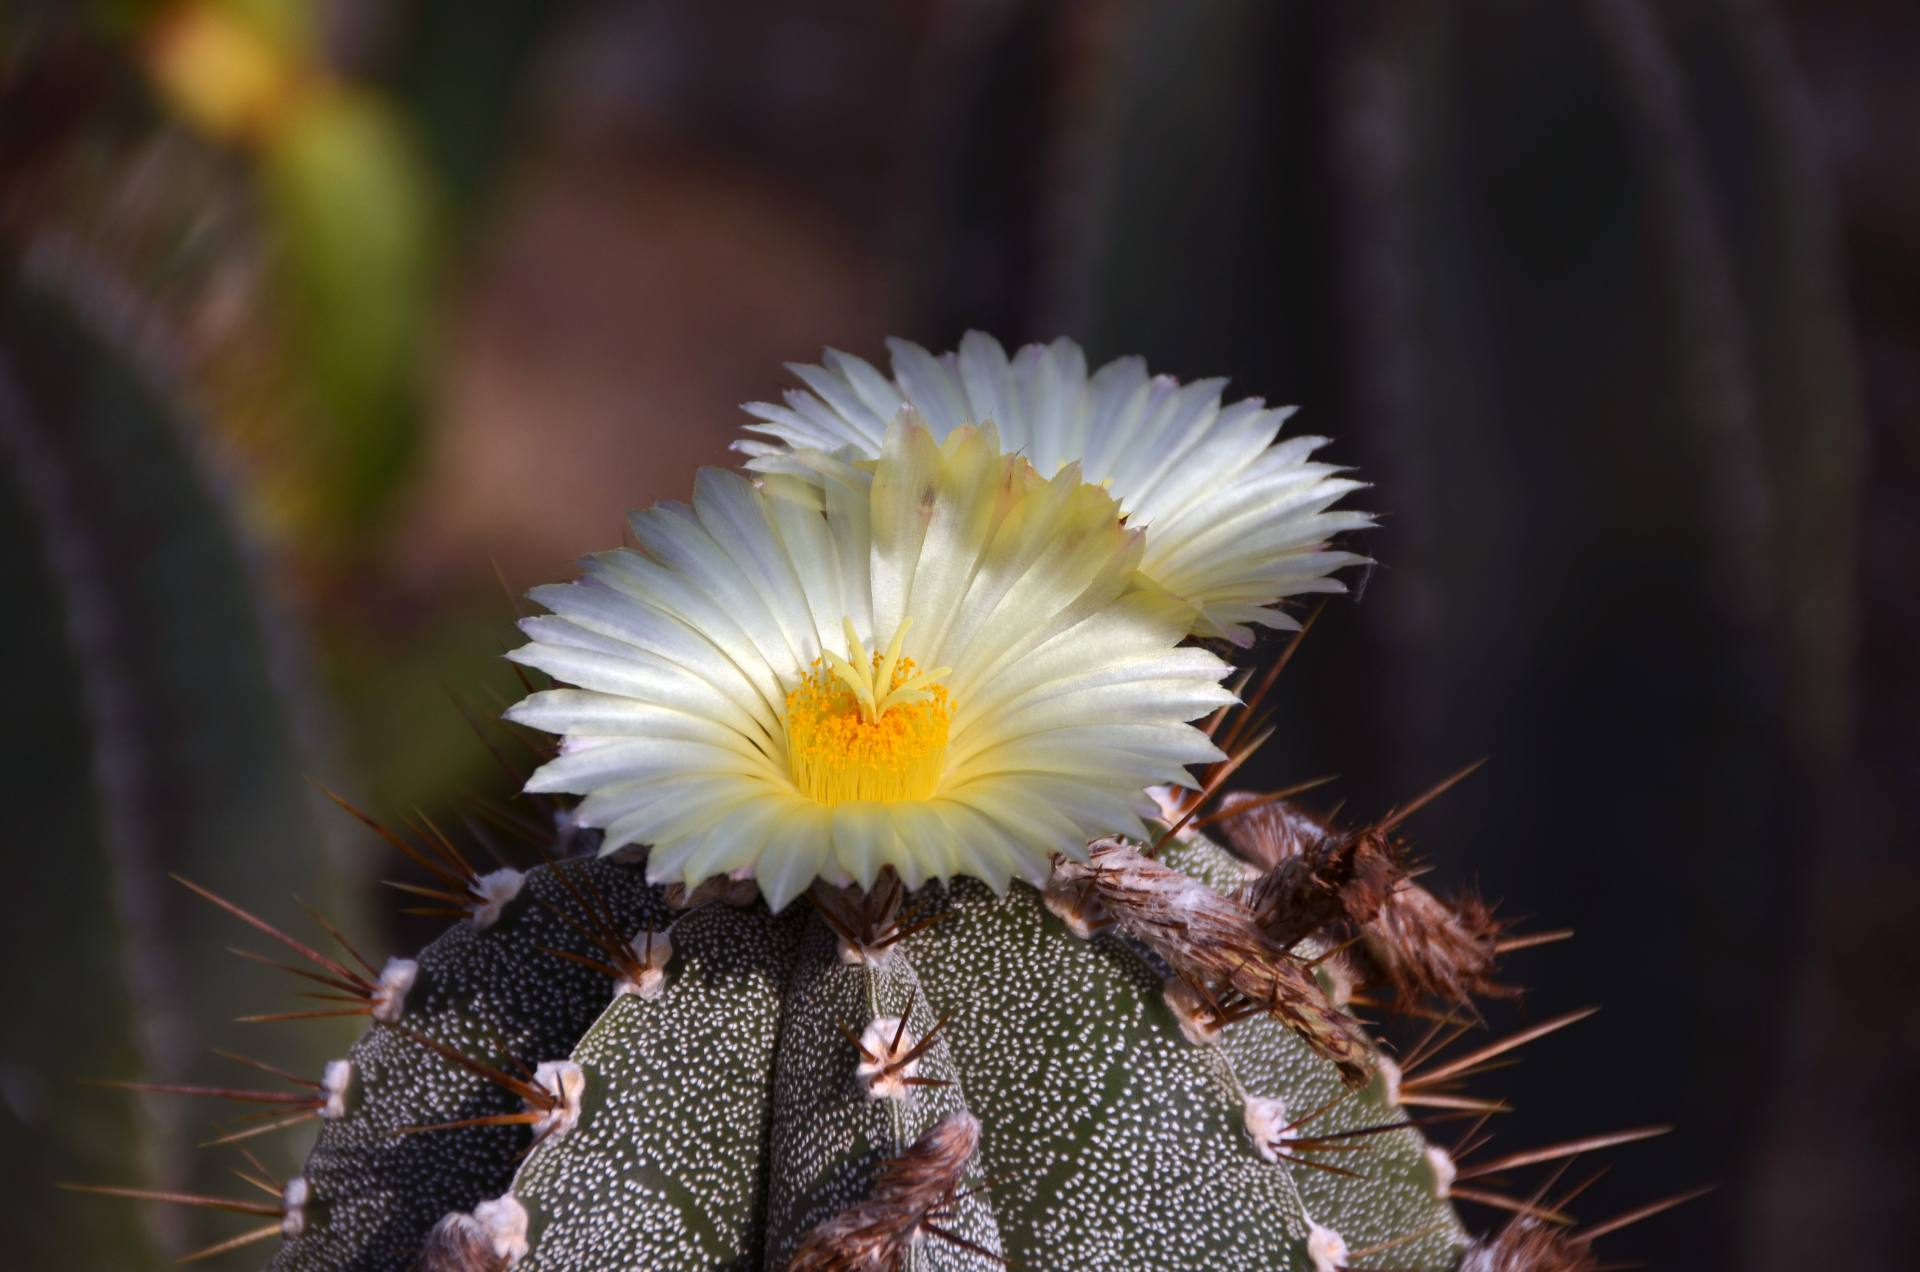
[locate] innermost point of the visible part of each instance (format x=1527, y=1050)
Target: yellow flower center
x=868, y=727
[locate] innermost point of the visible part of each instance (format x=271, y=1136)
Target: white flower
x=939, y=661
x=1235, y=522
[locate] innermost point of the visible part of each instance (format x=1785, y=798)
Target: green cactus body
x=726, y=1116
x=156, y=736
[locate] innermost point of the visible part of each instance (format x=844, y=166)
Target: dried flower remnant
x=1212, y=940
x=910, y=1201
x=1333, y=883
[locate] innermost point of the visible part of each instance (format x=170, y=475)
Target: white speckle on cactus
x=1196, y=1022
x=1266, y=1118
x=652, y=951
x=881, y=1069
x=1043, y=1030
x=496, y=889
x=506, y=1223
x=566, y=1082
x=1077, y=907
x=680, y=1088
x=335, y=1081
x=1443, y=1170
x=738, y=893
x=1326, y=1248
x=390, y=995
x=1389, y=1080
x=293, y=1213
x=490, y=995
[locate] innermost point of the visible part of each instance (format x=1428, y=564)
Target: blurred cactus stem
x=164, y=728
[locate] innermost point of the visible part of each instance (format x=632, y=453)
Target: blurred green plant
x=168, y=734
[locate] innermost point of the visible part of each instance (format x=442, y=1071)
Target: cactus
x=594, y=1071
x=743, y=1078
x=919, y=956
x=174, y=722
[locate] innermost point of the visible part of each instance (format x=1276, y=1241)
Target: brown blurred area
x=627, y=305
x=1617, y=303
x=687, y=215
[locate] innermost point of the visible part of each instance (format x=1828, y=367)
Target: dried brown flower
x=1214, y=941
x=1335, y=883
x=911, y=1196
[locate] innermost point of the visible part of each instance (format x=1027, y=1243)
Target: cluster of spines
x=285, y=1205
x=1316, y=891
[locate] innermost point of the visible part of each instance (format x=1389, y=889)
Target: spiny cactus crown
x=925, y=675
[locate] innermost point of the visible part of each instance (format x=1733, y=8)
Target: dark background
x=1616, y=302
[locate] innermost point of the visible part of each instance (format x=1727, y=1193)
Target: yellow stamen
x=868, y=726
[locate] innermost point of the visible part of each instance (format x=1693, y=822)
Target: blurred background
x=325, y=327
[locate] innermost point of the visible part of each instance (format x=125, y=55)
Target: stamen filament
x=869, y=726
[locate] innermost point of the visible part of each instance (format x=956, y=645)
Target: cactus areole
x=890, y=928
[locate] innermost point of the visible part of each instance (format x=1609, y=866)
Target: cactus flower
x=941, y=660
x=1236, y=519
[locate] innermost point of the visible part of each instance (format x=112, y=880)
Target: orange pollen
x=893, y=747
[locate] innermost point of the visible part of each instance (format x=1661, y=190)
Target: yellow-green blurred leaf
x=346, y=203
